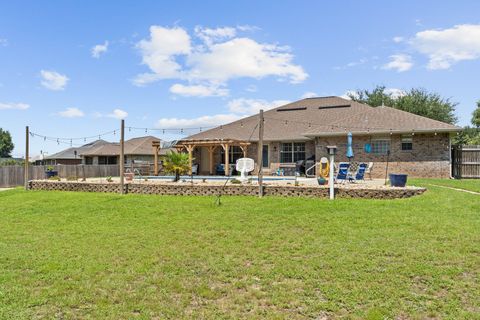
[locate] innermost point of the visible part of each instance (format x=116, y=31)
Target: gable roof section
x=134, y=146
x=70, y=152
x=288, y=122
x=311, y=117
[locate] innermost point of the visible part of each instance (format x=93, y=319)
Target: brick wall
x=429, y=157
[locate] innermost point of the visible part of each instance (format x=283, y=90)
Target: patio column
x=156, y=148
x=190, y=157
x=244, y=149
x=210, y=158
x=227, y=160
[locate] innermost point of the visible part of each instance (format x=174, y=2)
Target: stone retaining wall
x=234, y=190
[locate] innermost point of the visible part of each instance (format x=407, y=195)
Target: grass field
x=104, y=256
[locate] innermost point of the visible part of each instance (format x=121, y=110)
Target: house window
x=407, y=144
x=265, y=156
x=380, y=146
x=235, y=153
x=292, y=152
x=88, y=160
x=107, y=160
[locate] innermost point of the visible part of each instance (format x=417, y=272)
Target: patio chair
x=220, y=169
x=195, y=169
x=342, y=174
x=369, y=170
x=359, y=174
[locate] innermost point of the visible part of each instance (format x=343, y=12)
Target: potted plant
x=176, y=163
x=50, y=172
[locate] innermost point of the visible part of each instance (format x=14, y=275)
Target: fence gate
x=466, y=162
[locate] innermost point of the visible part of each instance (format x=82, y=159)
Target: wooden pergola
x=211, y=145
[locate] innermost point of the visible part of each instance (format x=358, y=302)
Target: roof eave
x=366, y=132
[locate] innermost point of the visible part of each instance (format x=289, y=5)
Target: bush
x=235, y=181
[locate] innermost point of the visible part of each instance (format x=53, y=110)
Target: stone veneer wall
x=233, y=190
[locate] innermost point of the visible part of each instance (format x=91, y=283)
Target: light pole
x=331, y=151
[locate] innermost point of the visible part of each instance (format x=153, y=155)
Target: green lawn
x=104, y=256
x=466, y=184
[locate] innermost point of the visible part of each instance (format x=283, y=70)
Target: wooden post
x=190, y=158
x=210, y=158
x=156, y=147
x=27, y=147
x=260, y=154
x=122, y=157
x=227, y=159
x=244, y=150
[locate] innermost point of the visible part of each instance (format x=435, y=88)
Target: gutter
x=335, y=134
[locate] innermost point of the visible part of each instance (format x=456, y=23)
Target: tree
x=418, y=101
x=470, y=135
x=6, y=144
x=177, y=163
x=476, y=116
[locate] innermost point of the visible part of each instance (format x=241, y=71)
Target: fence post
x=27, y=141
x=122, y=156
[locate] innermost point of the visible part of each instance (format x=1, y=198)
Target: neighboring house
x=70, y=155
x=301, y=130
x=136, y=150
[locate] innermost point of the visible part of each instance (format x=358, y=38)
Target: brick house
x=301, y=130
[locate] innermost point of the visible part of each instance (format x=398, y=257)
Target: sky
x=75, y=68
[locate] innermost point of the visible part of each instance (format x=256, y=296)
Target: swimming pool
x=217, y=178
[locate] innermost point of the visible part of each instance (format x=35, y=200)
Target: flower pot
x=322, y=181
x=397, y=180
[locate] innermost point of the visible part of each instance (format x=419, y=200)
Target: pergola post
x=156, y=148
x=190, y=157
x=244, y=149
x=210, y=158
x=227, y=160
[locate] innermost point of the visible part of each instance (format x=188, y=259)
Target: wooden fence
x=466, y=162
x=12, y=176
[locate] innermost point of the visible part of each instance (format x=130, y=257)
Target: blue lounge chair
x=342, y=173
x=360, y=174
x=220, y=169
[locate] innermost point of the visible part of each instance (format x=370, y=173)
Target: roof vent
x=292, y=109
x=335, y=107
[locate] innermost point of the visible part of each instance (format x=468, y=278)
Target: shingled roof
x=324, y=116
x=70, y=152
x=134, y=146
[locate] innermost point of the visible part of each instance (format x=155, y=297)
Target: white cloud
x=210, y=36
x=448, y=46
x=159, y=52
x=71, y=113
x=118, y=114
x=99, y=49
x=204, y=121
x=395, y=92
x=399, y=62
x=198, y=90
x=219, y=56
x=53, y=80
x=309, y=95
x=251, y=88
x=352, y=64
x=348, y=93
x=398, y=39
x=13, y=106
x=3, y=42
x=251, y=106
x=238, y=108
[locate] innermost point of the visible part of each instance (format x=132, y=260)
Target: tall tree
x=6, y=144
x=417, y=100
x=476, y=116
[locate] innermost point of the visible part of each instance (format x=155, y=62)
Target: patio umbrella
x=349, y=146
